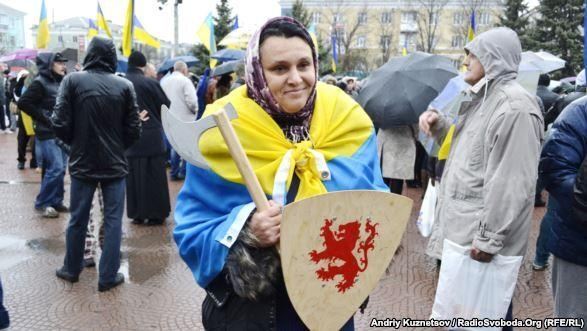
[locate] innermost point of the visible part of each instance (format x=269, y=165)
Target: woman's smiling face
x=289, y=70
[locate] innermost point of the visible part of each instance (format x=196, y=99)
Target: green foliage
x=558, y=30
x=516, y=18
x=300, y=13
x=201, y=53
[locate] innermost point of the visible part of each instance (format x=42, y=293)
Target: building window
x=12, y=41
x=457, y=42
x=385, y=42
x=337, y=18
x=386, y=17
x=362, y=18
x=457, y=19
x=361, y=42
x=3, y=19
x=405, y=39
x=484, y=18
x=60, y=38
x=409, y=17
x=74, y=39
x=316, y=18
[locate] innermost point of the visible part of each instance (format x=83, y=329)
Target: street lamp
x=175, y=23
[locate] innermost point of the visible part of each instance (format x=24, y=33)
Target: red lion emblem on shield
x=339, y=246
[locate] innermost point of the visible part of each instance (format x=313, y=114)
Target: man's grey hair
x=180, y=66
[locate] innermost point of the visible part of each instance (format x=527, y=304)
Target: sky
x=158, y=23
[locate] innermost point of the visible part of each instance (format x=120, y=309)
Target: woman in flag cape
x=303, y=138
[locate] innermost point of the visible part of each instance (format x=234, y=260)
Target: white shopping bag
x=426, y=216
x=470, y=289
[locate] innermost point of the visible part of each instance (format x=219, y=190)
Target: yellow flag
x=101, y=21
x=141, y=35
x=127, y=30
x=92, y=29
x=43, y=32
x=206, y=35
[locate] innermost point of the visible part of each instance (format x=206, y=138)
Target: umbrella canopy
x=168, y=63
x=399, y=91
x=21, y=54
x=544, y=61
x=226, y=67
x=238, y=38
x=228, y=54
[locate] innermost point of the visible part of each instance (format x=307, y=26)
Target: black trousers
x=23, y=140
x=4, y=111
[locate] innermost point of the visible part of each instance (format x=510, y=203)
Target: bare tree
x=428, y=20
x=386, y=41
x=345, y=26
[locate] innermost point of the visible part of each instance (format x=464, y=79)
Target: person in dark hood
x=97, y=115
x=147, y=197
x=38, y=101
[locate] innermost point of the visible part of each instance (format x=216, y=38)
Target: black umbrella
x=399, y=91
x=226, y=67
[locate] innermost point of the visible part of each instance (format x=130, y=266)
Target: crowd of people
x=507, y=147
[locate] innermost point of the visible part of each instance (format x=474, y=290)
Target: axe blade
x=184, y=136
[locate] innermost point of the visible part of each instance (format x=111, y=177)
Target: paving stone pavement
x=160, y=292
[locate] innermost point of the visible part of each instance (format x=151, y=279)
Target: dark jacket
x=150, y=97
x=562, y=103
x=560, y=161
x=580, y=196
x=547, y=96
x=39, y=98
x=97, y=115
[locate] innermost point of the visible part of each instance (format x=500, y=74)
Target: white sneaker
x=50, y=212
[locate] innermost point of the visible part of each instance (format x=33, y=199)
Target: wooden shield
x=334, y=249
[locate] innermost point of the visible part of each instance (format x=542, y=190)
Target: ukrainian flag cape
x=213, y=205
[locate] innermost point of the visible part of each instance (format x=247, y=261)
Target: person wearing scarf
x=303, y=138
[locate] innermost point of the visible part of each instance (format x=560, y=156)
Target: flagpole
x=176, y=28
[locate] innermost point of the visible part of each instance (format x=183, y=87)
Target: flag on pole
x=141, y=35
x=472, y=27
x=206, y=35
x=334, y=52
x=101, y=22
x=405, y=48
x=127, y=30
x=43, y=31
x=235, y=25
x=92, y=29
x=312, y=31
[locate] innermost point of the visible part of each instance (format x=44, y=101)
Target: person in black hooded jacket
x=147, y=196
x=38, y=102
x=97, y=115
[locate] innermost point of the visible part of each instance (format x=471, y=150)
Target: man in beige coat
x=487, y=189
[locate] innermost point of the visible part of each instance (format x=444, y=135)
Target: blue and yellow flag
x=101, y=22
x=43, y=31
x=92, y=29
x=141, y=35
x=405, y=48
x=127, y=30
x=341, y=132
x=206, y=35
x=472, y=27
x=334, y=52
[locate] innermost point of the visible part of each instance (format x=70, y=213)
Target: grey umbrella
x=399, y=91
x=226, y=67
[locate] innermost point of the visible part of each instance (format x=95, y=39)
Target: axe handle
x=240, y=158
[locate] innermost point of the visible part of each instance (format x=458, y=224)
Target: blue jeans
x=82, y=193
x=177, y=165
x=542, y=253
x=54, y=162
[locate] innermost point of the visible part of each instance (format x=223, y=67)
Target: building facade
x=11, y=29
x=72, y=33
x=368, y=32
